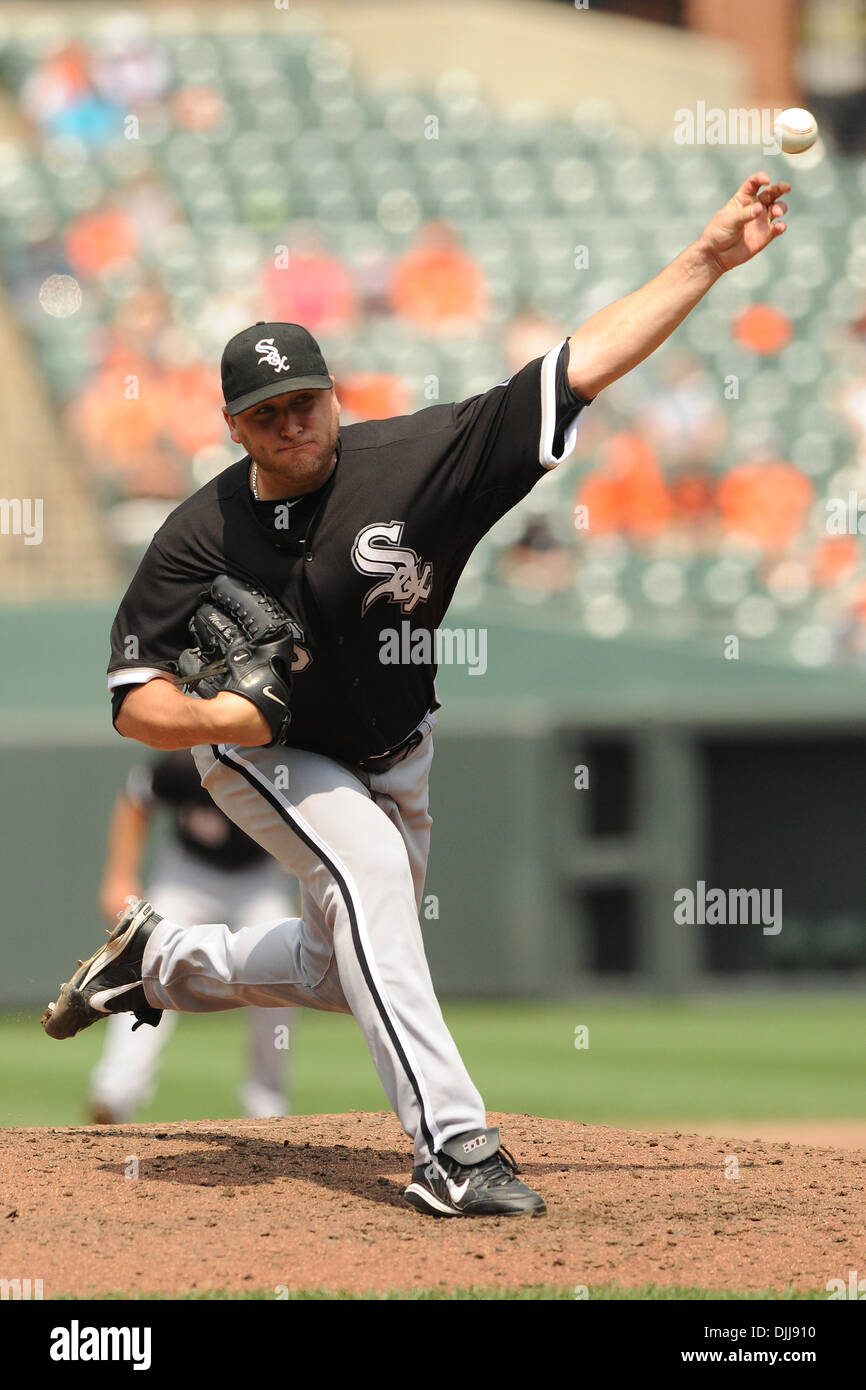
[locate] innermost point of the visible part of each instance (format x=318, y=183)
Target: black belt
x=383, y=762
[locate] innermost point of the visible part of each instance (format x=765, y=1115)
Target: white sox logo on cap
x=283, y=358
x=270, y=355
x=377, y=550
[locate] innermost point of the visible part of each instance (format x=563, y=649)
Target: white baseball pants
x=358, y=843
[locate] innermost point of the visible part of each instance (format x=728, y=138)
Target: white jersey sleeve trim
x=133, y=675
x=546, y=457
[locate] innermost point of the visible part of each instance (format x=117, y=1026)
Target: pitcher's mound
x=316, y=1202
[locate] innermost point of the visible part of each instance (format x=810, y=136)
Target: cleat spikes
x=109, y=978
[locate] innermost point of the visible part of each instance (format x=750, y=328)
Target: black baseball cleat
x=109, y=982
x=472, y=1175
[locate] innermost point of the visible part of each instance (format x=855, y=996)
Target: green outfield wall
x=577, y=786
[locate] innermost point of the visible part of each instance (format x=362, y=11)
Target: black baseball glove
x=244, y=642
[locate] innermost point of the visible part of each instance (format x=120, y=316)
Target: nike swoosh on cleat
x=456, y=1192
x=431, y=1202
x=96, y=1000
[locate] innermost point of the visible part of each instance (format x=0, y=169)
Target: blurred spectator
x=628, y=493
x=763, y=328
x=765, y=502
x=371, y=267
x=529, y=335
x=833, y=560
x=852, y=402
x=372, y=396
x=686, y=426
x=198, y=108
x=850, y=393
x=119, y=411
x=140, y=316
x=693, y=500
x=59, y=82
x=130, y=420
x=193, y=405
x=128, y=67
x=684, y=421
x=848, y=610
x=314, y=288
x=437, y=285
x=858, y=325
x=96, y=240
x=537, y=560
x=59, y=96
x=149, y=206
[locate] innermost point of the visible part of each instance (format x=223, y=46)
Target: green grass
x=797, y=1056
x=476, y=1292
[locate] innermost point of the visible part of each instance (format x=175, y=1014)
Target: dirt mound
x=827, y=1134
x=315, y=1201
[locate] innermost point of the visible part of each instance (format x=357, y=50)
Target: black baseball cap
x=267, y=360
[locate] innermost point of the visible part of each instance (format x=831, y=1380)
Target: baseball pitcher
x=252, y=634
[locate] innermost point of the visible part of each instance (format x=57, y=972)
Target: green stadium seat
x=212, y=208
x=574, y=182
x=725, y=583
x=347, y=121
x=328, y=205
x=803, y=363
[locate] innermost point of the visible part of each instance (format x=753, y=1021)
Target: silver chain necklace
x=254, y=479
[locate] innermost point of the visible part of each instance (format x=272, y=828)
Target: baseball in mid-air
x=796, y=130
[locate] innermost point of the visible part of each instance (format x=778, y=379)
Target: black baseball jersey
x=172, y=781
x=362, y=564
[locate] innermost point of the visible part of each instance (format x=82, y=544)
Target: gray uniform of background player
x=386, y=536
x=205, y=870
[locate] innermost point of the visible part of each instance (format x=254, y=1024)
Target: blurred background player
x=206, y=870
